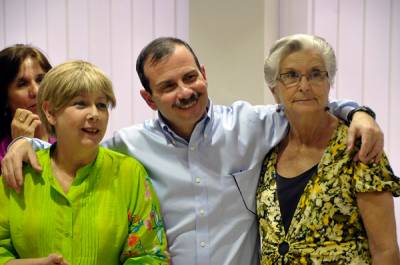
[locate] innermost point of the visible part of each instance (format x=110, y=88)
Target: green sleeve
x=146, y=242
x=7, y=251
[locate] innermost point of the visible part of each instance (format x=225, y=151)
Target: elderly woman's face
x=23, y=90
x=303, y=82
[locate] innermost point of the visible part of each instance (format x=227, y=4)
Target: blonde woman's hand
x=55, y=259
x=52, y=259
x=24, y=123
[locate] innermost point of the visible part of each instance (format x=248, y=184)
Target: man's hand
x=365, y=126
x=11, y=165
x=24, y=123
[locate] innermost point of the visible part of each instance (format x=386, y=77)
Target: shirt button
x=202, y=212
x=202, y=244
x=192, y=148
x=198, y=179
x=283, y=248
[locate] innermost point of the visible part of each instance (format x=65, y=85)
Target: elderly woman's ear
x=274, y=93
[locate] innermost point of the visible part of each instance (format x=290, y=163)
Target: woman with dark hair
x=22, y=68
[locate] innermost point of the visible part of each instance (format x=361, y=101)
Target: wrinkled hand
x=365, y=126
x=11, y=165
x=24, y=123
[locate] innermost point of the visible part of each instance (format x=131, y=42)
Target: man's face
x=179, y=90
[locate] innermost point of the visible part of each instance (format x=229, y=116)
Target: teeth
x=91, y=130
x=188, y=105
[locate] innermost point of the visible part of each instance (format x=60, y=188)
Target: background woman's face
x=23, y=90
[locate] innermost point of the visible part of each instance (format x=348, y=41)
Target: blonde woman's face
x=82, y=123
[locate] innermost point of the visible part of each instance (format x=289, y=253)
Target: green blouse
x=110, y=215
x=326, y=227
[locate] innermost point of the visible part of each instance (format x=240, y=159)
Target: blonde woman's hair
x=69, y=80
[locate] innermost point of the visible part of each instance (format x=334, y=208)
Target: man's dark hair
x=157, y=50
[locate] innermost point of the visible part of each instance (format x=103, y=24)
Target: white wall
x=228, y=39
x=108, y=33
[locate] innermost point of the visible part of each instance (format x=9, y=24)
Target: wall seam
x=131, y=79
x=67, y=37
x=26, y=22
x=46, y=18
x=337, y=47
x=363, y=52
x=4, y=22
x=389, y=106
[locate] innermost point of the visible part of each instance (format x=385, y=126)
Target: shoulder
x=244, y=106
x=340, y=134
x=124, y=162
x=244, y=112
x=136, y=132
x=119, y=157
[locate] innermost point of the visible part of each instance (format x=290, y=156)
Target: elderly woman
x=22, y=68
x=89, y=205
x=315, y=204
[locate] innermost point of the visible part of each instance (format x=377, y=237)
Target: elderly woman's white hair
x=294, y=43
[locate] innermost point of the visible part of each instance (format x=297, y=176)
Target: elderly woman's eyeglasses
x=293, y=78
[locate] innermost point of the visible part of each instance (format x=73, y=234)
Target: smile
x=302, y=100
x=91, y=130
x=188, y=102
x=187, y=106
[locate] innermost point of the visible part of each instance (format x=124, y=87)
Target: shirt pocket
x=241, y=188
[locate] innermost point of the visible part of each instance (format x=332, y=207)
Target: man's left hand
x=365, y=126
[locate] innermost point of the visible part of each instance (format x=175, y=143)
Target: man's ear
x=203, y=71
x=49, y=113
x=149, y=99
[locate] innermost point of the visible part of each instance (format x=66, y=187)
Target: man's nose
x=185, y=91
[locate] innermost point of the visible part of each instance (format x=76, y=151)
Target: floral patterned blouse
x=326, y=227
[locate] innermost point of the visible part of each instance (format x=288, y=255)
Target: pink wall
x=108, y=33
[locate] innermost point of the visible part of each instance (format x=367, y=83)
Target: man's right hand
x=11, y=165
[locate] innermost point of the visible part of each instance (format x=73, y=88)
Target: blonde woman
x=89, y=205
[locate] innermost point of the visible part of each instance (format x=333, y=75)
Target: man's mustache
x=187, y=101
